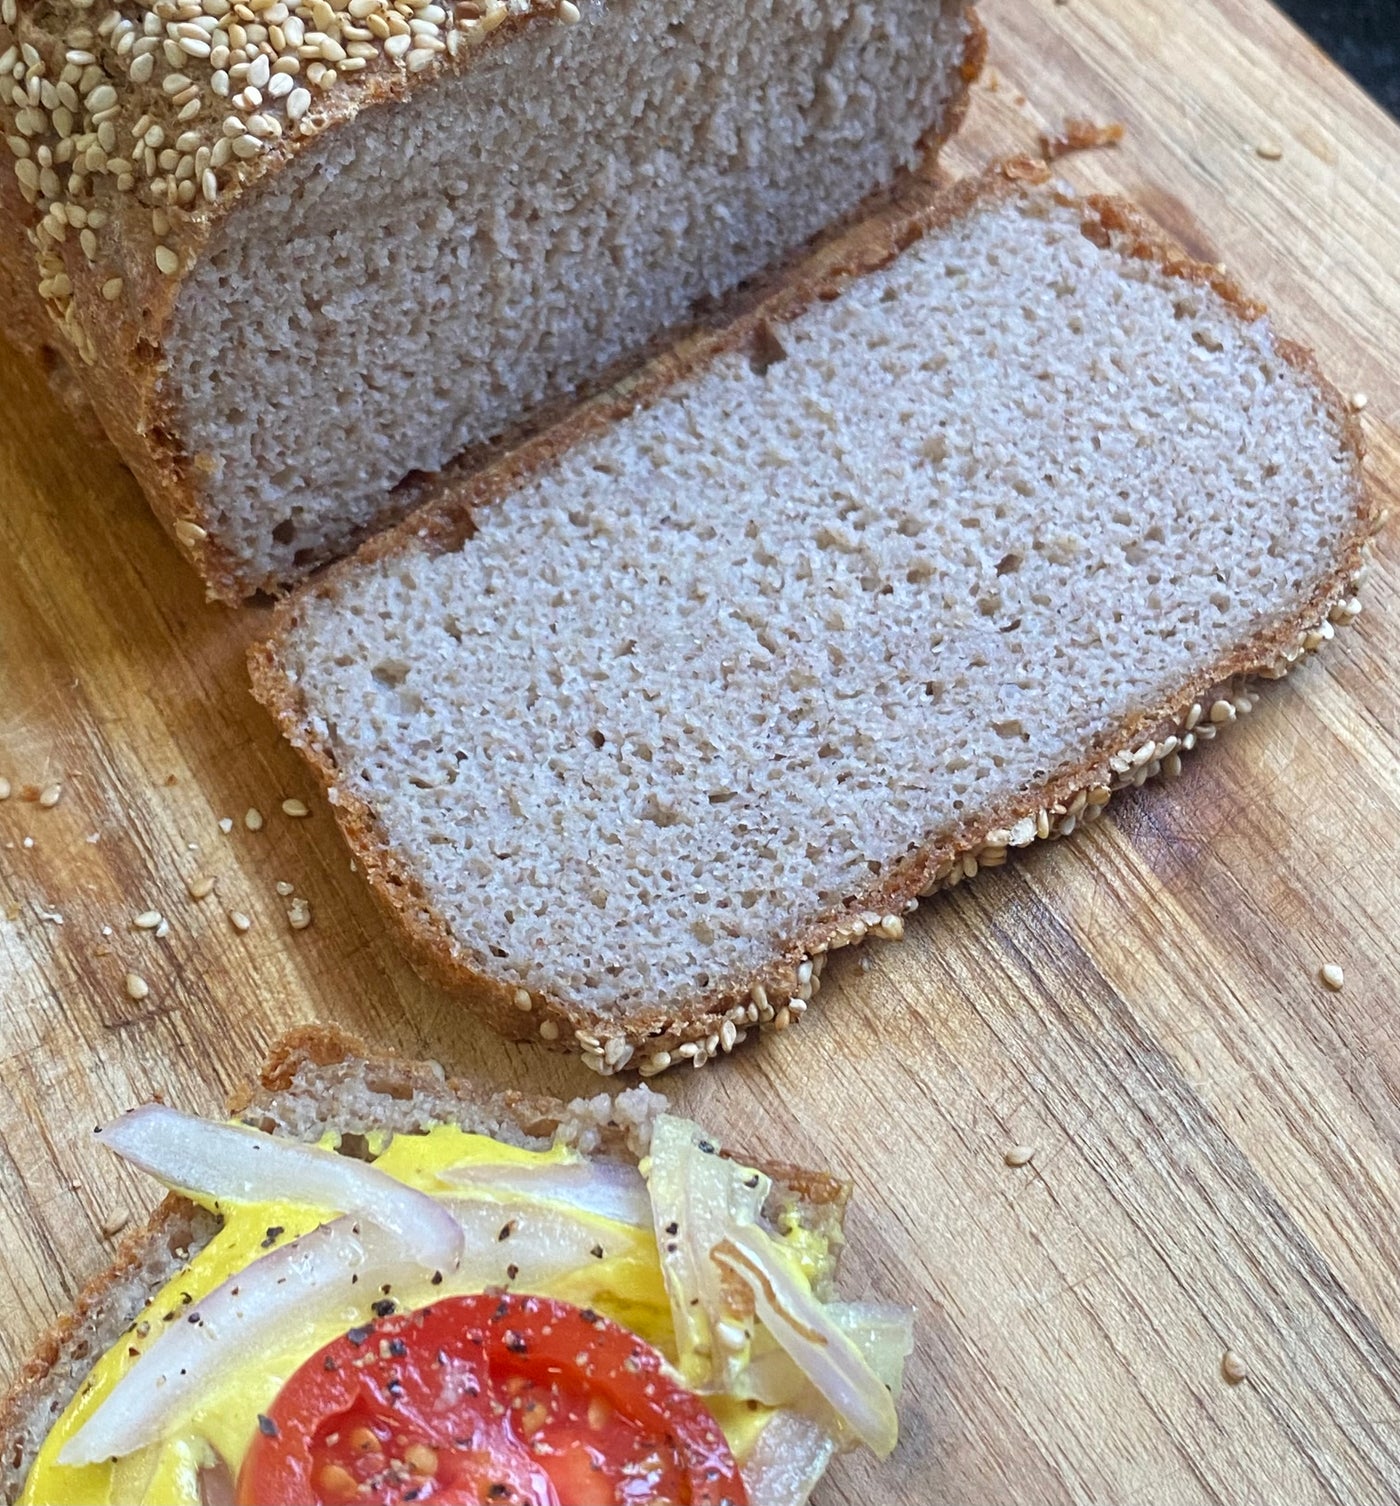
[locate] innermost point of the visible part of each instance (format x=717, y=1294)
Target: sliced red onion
x=607, y=1189
x=240, y=1165
x=817, y=1345
x=329, y=1276
x=791, y=1455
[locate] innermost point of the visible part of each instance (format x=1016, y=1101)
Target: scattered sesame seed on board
x=50, y=795
x=1270, y=151
x=295, y=808
x=136, y=986
x=299, y=914
x=1233, y=1367
x=1332, y=975
x=238, y=920
x=253, y=818
x=201, y=887
x=226, y=824
x=114, y=1223
x=147, y=920
x=1358, y=401
x=4, y=789
x=1019, y=1155
x=285, y=889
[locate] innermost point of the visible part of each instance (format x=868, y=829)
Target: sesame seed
x=1332, y=975
x=136, y=986
x=549, y=1030
x=1358, y=401
x=295, y=808
x=253, y=819
x=147, y=920
x=114, y=1223
x=285, y=889
x=299, y=914
x=522, y=999
x=189, y=532
x=1222, y=711
x=1233, y=1367
x=1270, y=151
x=1019, y=1155
x=50, y=795
x=238, y=920
x=568, y=12
x=4, y=789
x=167, y=260
x=200, y=888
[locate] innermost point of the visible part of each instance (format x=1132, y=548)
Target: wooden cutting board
x=1215, y=1133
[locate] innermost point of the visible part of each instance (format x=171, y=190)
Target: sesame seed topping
x=189, y=532
x=167, y=260
x=295, y=808
x=1270, y=151
x=114, y=1223
x=147, y=920
x=1019, y=1155
x=200, y=888
x=253, y=819
x=50, y=795
x=1332, y=975
x=136, y=986
x=238, y=920
x=1233, y=1367
x=549, y=1030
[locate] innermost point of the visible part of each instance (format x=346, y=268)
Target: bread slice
x=995, y=506
x=294, y=262
x=315, y=1080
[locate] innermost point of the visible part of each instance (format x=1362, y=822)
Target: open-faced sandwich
x=374, y=1284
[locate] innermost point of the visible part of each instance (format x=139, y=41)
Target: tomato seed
x=599, y=1413
x=336, y=1483
x=419, y=1457
x=533, y=1417
x=363, y=1441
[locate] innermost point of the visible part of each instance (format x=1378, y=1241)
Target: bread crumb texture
x=715, y=673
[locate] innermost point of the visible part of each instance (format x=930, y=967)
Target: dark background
x=1363, y=36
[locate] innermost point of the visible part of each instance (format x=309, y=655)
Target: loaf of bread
x=299, y=251
x=319, y=1081
x=992, y=508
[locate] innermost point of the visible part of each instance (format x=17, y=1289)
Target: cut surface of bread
x=316, y=1080
x=910, y=565
x=320, y=273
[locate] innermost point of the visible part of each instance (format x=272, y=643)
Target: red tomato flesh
x=488, y=1400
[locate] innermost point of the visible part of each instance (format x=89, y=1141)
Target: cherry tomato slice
x=488, y=1400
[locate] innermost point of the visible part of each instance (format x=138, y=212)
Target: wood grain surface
x=1215, y=1133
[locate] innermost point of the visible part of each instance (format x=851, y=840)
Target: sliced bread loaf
x=301, y=250
x=320, y=1081
x=992, y=508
